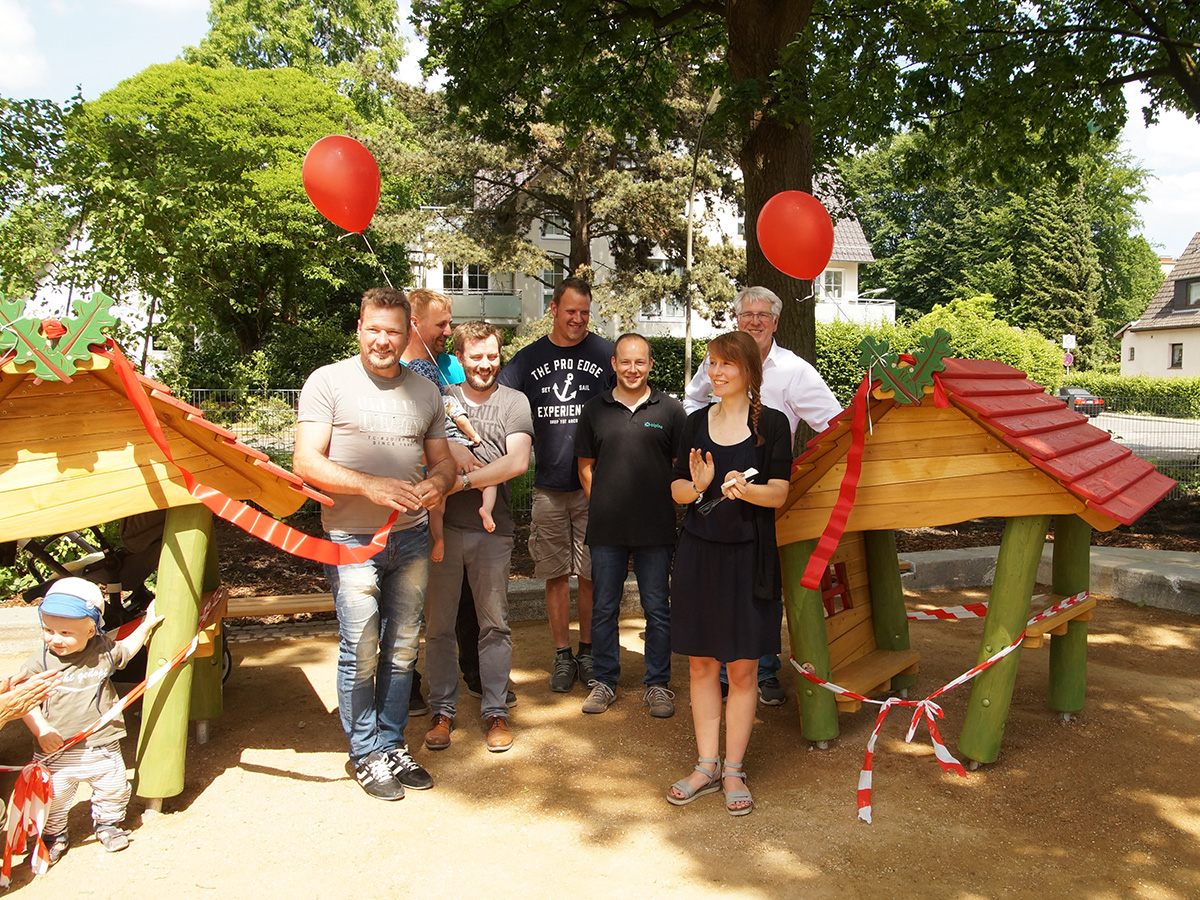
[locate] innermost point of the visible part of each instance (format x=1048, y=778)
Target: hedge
x=1173, y=397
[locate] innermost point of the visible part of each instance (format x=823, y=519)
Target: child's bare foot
x=438, y=551
x=489, y=523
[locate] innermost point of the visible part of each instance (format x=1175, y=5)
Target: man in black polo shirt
x=625, y=444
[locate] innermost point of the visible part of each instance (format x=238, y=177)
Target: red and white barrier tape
x=979, y=610
x=926, y=708
x=966, y=611
x=32, y=793
x=264, y=527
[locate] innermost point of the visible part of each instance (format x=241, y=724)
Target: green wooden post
x=1068, y=652
x=1008, y=611
x=163, y=739
x=806, y=628
x=206, y=671
x=887, y=598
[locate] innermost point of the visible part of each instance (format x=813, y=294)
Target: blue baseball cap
x=73, y=598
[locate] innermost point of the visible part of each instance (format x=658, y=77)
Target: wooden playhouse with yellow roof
x=946, y=441
x=75, y=451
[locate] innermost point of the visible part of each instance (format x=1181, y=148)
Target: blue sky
x=50, y=46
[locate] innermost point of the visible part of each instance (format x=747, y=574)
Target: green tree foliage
x=975, y=333
x=804, y=82
x=190, y=184
x=481, y=201
x=346, y=43
x=1057, y=255
x=35, y=222
x=275, y=34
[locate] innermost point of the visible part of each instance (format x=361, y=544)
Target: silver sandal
x=741, y=796
x=691, y=793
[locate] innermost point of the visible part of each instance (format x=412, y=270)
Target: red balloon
x=341, y=179
x=796, y=234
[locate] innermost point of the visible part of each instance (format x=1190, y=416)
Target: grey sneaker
x=660, y=700
x=376, y=778
x=600, y=698
x=771, y=692
x=564, y=673
x=586, y=663
x=407, y=770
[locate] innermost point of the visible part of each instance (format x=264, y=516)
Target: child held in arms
x=74, y=644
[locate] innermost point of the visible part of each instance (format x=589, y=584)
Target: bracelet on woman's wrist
x=699, y=493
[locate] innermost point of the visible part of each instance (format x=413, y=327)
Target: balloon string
x=363, y=235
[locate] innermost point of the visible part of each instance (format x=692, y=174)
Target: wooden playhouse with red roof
x=976, y=439
x=75, y=451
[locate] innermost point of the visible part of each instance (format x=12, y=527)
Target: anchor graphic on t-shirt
x=562, y=394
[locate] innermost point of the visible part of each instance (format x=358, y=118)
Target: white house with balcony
x=512, y=299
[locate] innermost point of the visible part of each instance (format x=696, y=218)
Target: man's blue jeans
x=378, y=605
x=652, y=566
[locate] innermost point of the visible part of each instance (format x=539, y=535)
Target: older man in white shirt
x=792, y=386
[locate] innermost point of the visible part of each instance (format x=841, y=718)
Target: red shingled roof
x=1084, y=459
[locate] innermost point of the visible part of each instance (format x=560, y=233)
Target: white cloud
x=23, y=63
x=1167, y=150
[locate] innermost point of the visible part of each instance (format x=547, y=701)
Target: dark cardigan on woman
x=774, y=461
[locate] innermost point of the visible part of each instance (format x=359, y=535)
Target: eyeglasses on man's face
x=755, y=317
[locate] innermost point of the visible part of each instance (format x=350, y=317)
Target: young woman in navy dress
x=726, y=587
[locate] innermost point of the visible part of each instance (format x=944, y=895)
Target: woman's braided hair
x=740, y=349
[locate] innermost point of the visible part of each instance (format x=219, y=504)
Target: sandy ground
x=1107, y=806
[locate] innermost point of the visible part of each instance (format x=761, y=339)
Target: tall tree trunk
x=775, y=155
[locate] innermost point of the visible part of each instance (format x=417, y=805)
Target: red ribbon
x=836, y=526
x=263, y=527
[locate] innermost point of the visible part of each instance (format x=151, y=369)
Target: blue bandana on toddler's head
x=73, y=598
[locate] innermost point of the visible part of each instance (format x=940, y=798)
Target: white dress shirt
x=790, y=385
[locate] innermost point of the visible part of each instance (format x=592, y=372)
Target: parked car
x=1082, y=401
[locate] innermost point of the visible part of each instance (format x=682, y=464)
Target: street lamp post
x=687, y=298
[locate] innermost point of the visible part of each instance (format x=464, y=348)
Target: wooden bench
x=281, y=605
x=1056, y=624
x=872, y=674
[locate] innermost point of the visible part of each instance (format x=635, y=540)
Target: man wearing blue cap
x=75, y=645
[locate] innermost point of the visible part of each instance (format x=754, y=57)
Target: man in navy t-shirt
x=559, y=373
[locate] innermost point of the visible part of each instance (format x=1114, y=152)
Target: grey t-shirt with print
x=379, y=428
x=86, y=689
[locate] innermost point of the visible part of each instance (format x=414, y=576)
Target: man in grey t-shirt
x=502, y=418
x=372, y=435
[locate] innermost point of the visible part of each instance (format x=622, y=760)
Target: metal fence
x=267, y=420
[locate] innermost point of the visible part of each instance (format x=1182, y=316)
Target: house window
x=551, y=279
x=1187, y=294
x=458, y=279
x=554, y=225
x=664, y=308
x=831, y=284
x=741, y=227
x=1177, y=356
x=1132, y=351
